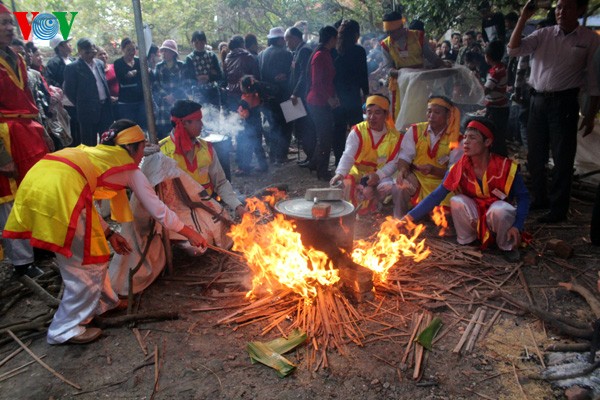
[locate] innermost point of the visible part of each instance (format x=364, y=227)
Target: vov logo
x=45, y=26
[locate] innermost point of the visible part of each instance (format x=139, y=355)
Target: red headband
x=4, y=9
x=485, y=131
x=183, y=142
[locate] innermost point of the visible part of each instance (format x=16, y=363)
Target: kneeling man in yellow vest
x=369, y=160
x=427, y=151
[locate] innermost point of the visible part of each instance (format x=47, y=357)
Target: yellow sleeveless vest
x=372, y=156
x=59, y=188
x=411, y=57
x=204, y=154
x=439, y=157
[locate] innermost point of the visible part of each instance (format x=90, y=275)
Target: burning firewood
x=299, y=287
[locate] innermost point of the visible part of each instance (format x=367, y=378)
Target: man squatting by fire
x=369, y=159
x=54, y=209
x=485, y=184
x=427, y=149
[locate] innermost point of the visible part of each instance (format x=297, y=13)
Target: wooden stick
x=43, y=364
x=156, y=367
x=412, y=337
x=476, y=329
x=467, y=331
x=492, y=321
x=525, y=287
x=518, y=383
x=567, y=347
x=573, y=286
x=36, y=324
x=138, y=337
x=227, y=252
x=420, y=350
x=14, y=353
x=554, y=320
x=125, y=319
x=46, y=297
x=10, y=373
x=537, y=349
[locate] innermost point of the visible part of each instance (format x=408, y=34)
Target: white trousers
x=403, y=195
x=18, y=251
x=500, y=217
x=87, y=292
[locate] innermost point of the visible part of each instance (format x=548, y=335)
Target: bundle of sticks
x=329, y=320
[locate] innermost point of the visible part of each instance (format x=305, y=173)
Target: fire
x=439, y=218
x=389, y=246
x=275, y=254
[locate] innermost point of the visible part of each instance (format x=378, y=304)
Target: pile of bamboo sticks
x=329, y=320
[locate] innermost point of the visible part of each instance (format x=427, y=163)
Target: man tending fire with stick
x=369, y=159
x=427, y=149
x=486, y=184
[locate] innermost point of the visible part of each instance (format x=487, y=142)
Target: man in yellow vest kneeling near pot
x=428, y=150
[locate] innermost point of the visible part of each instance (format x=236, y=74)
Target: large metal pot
x=327, y=234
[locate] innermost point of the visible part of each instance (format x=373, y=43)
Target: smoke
x=220, y=121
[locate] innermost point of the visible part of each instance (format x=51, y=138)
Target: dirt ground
x=199, y=359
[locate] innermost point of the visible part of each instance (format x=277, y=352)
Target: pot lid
x=300, y=208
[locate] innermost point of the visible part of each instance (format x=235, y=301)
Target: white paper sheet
x=292, y=112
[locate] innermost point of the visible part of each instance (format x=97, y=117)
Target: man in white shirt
x=85, y=86
x=561, y=64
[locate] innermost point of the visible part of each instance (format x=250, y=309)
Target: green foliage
x=107, y=21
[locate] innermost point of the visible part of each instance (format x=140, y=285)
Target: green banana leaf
x=429, y=333
x=270, y=353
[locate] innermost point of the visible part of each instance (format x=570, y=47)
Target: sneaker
x=511, y=256
x=88, y=336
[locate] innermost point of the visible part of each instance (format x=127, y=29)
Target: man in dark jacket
x=55, y=76
x=300, y=56
x=275, y=63
x=85, y=85
x=239, y=62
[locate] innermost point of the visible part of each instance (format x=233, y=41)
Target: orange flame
x=389, y=246
x=439, y=218
x=275, y=254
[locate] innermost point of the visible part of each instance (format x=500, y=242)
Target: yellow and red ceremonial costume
x=499, y=176
x=22, y=134
x=179, y=144
x=371, y=156
x=439, y=155
x=409, y=57
x=62, y=186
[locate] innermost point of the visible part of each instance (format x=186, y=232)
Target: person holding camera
x=554, y=105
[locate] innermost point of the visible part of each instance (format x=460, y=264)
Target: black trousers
x=74, y=125
x=89, y=130
x=499, y=115
x=552, y=126
x=305, y=133
x=323, y=120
